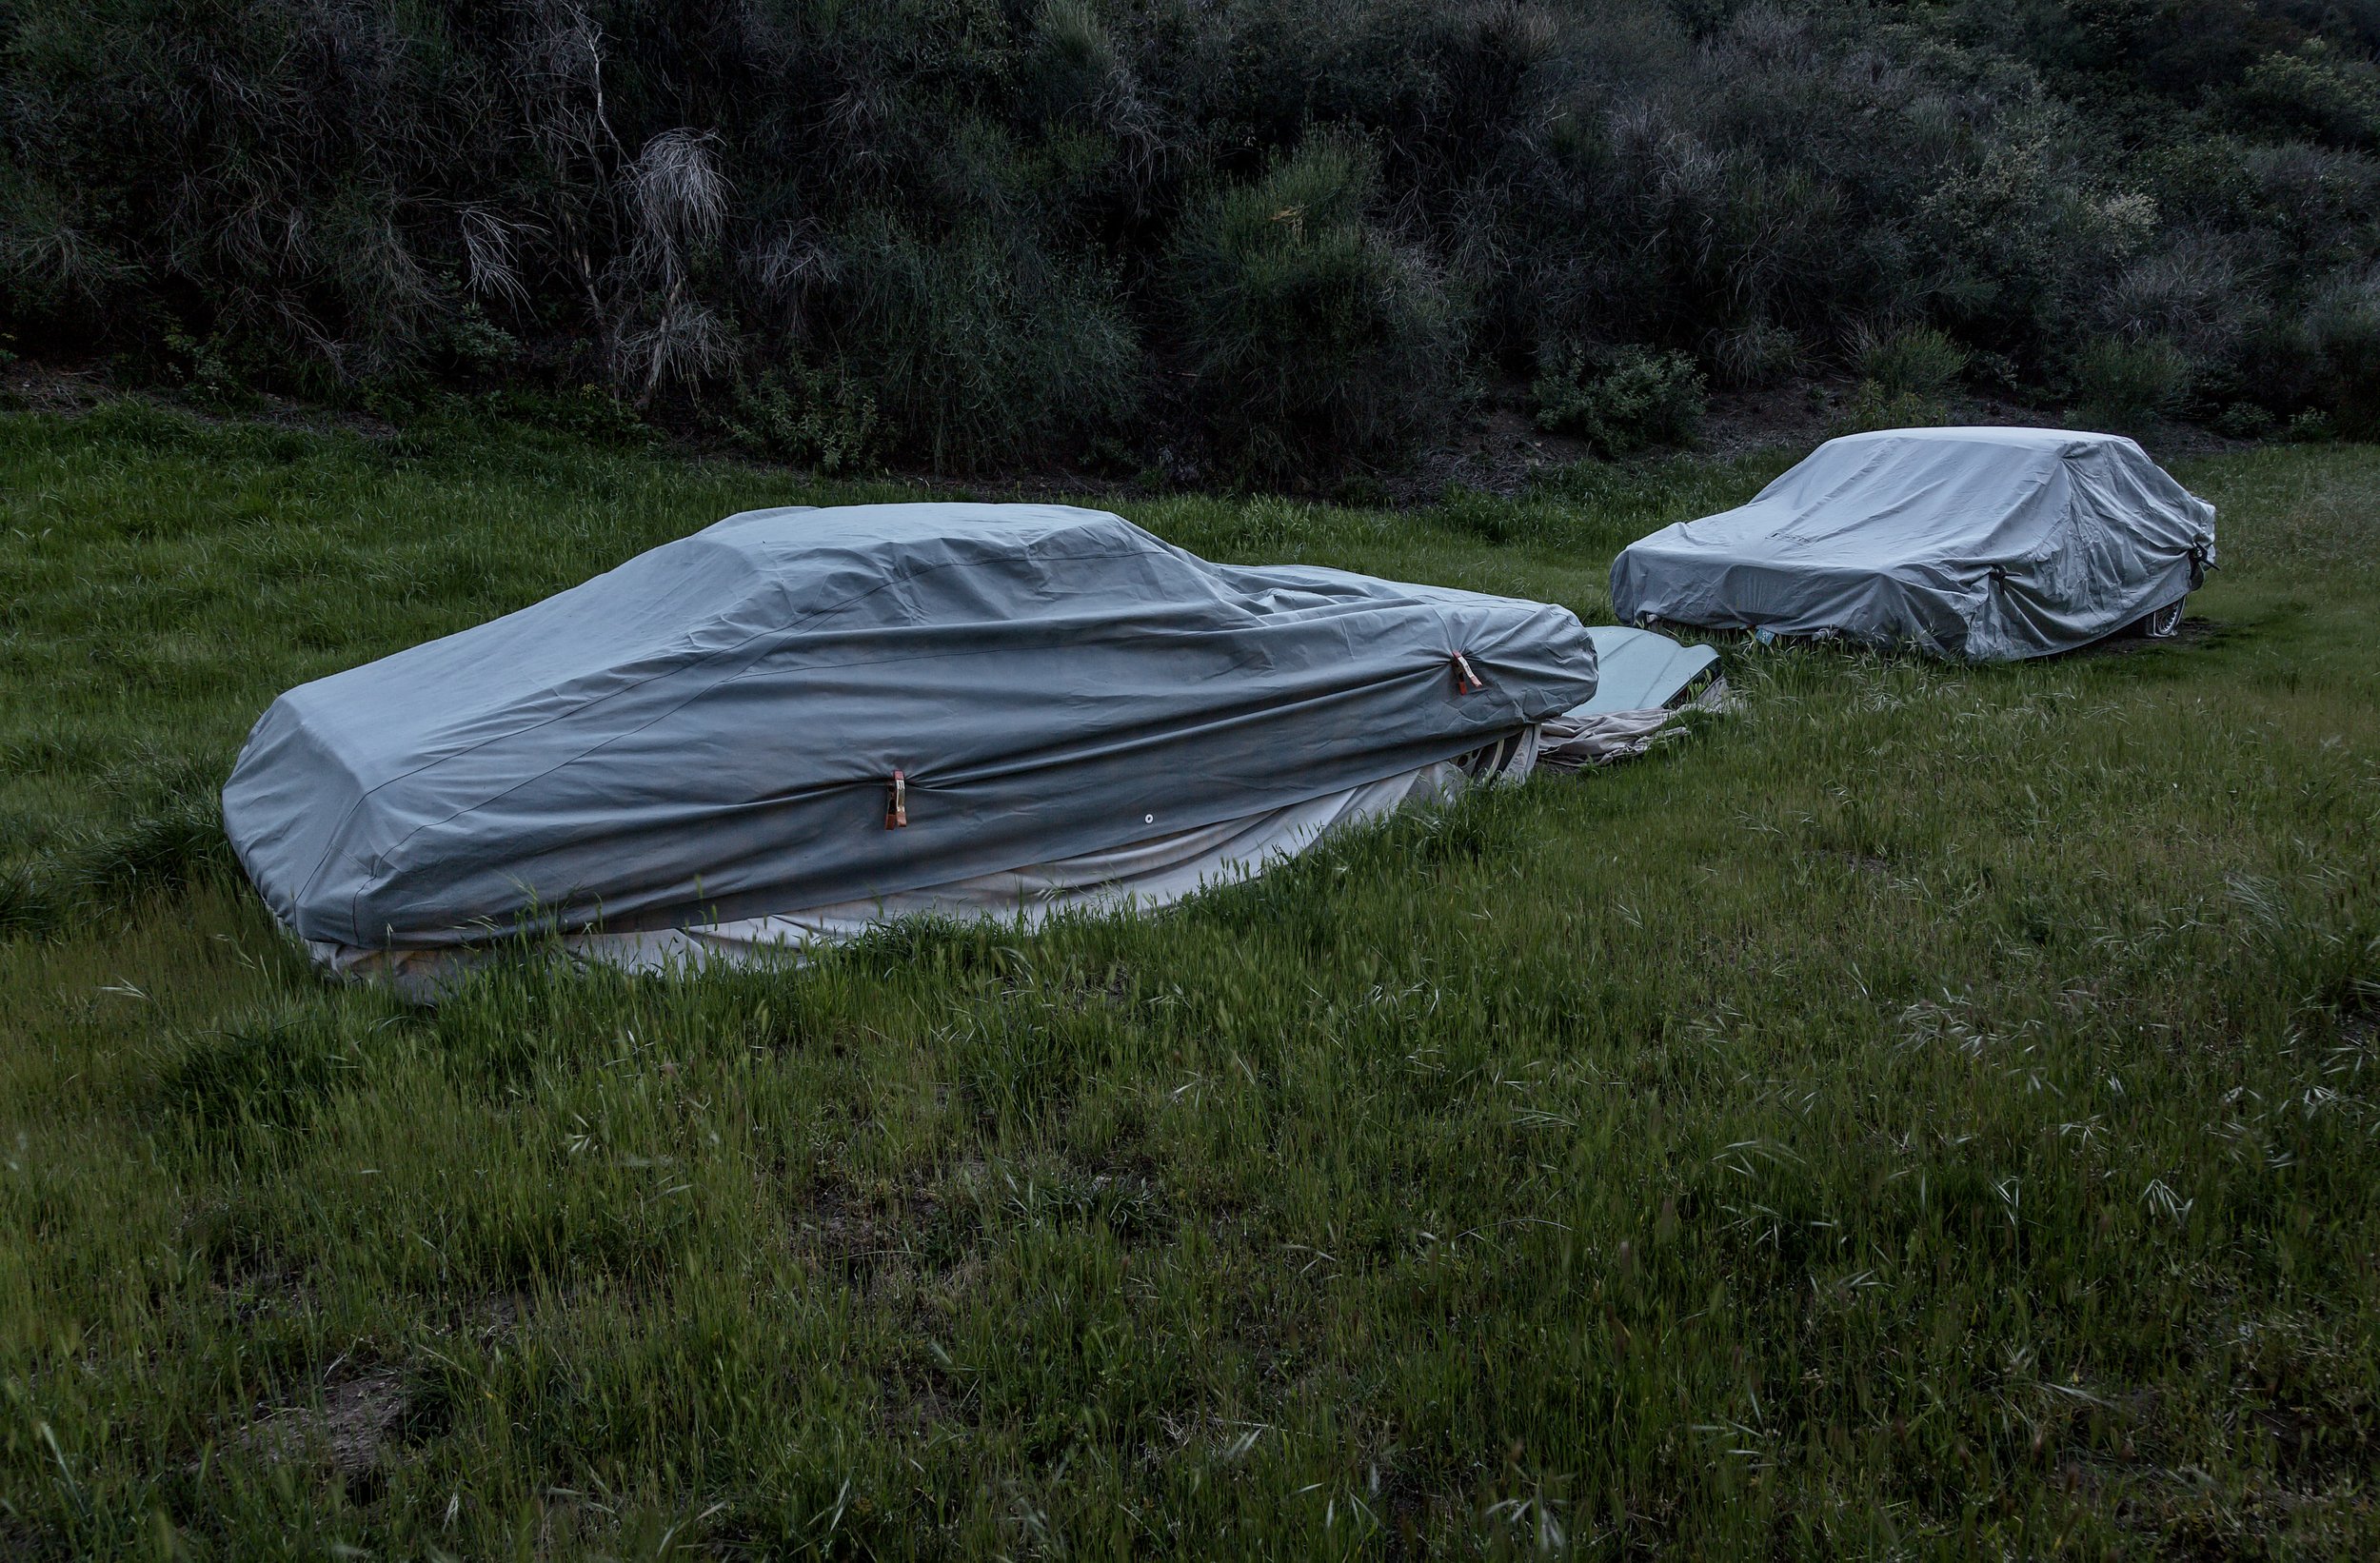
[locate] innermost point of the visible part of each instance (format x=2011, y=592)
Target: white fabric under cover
x=1583, y=739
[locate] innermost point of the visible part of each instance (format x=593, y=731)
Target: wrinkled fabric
x=1642, y=682
x=1581, y=740
x=1143, y=876
x=710, y=731
x=1974, y=544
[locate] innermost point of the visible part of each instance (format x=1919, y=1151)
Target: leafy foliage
x=1309, y=328
x=2126, y=384
x=1907, y=378
x=1040, y=232
x=1921, y=362
x=979, y=352
x=1620, y=402
x=808, y=418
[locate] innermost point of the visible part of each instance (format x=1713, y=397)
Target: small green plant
x=2311, y=426
x=1920, y=361
x=1873, y=407
x=1761, y=353
x=1621, y=402
x=1360, y=491
x=1907, y=379
x=810, y=417
x=2244, y=421
x=593, y=412
x=478, y=345
x=204, y=368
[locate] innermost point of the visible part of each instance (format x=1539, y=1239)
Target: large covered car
x=797, y=723
x=1977, y=543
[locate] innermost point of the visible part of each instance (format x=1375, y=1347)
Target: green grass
x=1928, y=1112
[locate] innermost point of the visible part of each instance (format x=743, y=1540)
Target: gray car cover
x=739, y=722
x=1978, y=544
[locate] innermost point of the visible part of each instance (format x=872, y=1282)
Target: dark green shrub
x=2189, y=293
x=1920, y=361
x=1312, y=335
x=587, y=410
x=2314, y=88
x=1908, y=379
x=1620, y=402
x=204, y=371
x=1873, y=407
x=2344, y=327
x=2122, y=385
x=2244, y=421
x=1756, y=356
x=980, y=350
x=2013, y=240
x=53, y=269
x=1074, y=70
x=478, y=346
x=810, y=418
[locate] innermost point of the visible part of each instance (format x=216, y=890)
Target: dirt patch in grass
x=348, y=1428
x=2359, y=1018
x=892, y=1239
x=2191, y=631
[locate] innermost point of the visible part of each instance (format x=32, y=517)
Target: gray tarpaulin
x=1981, y=543
x=1642, y=681
x=1636, y=670
x=711, y=733
x=1140, y=877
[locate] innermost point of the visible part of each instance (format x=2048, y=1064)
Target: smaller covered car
x=1980, y=545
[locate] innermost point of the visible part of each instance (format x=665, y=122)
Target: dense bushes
x=807, y=418
x=982, y=349
x=1274, y=234
x=1310, y=332
x=1621, y=403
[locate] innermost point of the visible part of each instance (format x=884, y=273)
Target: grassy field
x=1928, y=1112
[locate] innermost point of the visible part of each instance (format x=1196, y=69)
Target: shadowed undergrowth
x=1928, y=1110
